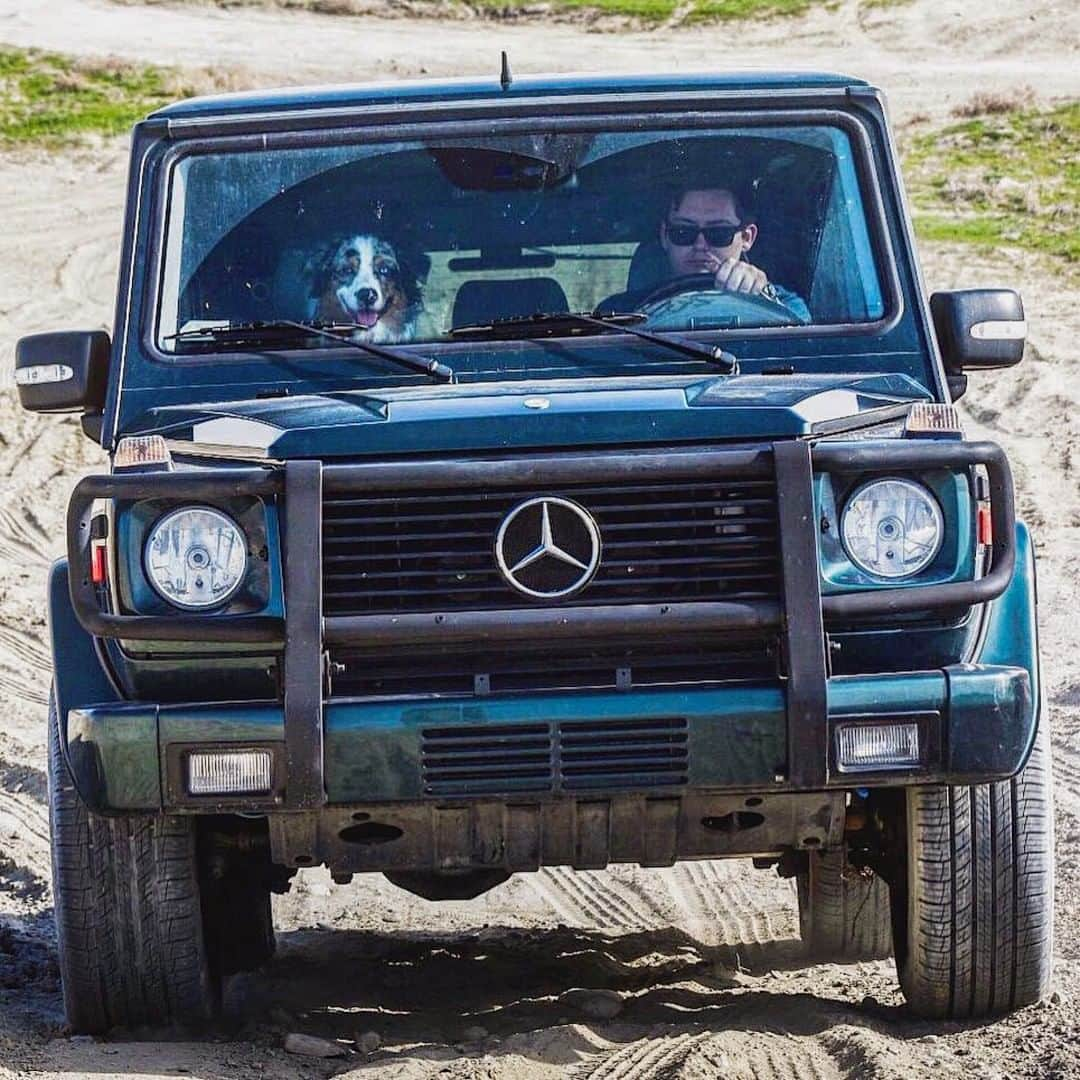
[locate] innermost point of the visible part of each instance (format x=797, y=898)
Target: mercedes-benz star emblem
x=548, y=548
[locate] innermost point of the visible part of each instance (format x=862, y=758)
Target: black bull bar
x=304, y=632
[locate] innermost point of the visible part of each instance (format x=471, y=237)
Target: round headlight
x=892, y=528
x=195, y=557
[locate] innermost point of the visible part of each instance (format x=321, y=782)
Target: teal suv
x=508, y=474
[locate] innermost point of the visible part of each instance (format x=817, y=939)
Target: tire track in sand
x=754, y=1055
x=774, y=1055
x=25, y=665
x=25, y=647
x=23, y=540
x=1066, y=778
x=24, y=829
x=646, y=1059
x=593, y=898
x=718, y=902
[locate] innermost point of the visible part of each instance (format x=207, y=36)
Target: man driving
x=709, y=230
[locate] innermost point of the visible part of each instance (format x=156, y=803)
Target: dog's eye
x=384, y=271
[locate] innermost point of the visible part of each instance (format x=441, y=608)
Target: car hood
x=485, y=417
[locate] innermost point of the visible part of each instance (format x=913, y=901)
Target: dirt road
x=704, y=956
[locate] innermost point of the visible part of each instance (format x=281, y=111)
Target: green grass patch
x=727, y=10
x=658, y=11
x=1009, y=178
x=648, y=11
x=50, y=99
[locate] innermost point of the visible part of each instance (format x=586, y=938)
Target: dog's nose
x=367, y=297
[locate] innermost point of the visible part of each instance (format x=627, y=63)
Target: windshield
x=408, y=242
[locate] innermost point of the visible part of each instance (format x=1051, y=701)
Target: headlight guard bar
x=541, y=623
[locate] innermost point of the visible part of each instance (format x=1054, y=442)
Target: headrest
x=482, y=301
x=648, y=267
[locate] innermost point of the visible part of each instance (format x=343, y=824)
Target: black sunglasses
x=715, y=235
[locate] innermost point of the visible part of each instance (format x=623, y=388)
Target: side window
x=846, y=287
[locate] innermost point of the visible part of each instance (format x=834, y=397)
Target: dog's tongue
x=367, y=319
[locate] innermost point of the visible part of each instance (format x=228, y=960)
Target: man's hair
x=741, y=194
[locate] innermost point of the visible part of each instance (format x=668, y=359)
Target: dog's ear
x=318, y=266
x=415, y=266
x=421, y=264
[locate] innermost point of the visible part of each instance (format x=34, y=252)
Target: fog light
x=229, y=772
x=862, y=747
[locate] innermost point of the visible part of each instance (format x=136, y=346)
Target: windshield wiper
x=260, y=333
x=549, y=324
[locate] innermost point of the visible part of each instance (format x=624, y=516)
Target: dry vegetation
x=612, y=12
x=1007, y=175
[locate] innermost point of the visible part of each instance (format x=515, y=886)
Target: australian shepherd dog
x=363, y=280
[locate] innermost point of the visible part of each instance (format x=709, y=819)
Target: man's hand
x=737, y=276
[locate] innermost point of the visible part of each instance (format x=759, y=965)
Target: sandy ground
x=704, y=956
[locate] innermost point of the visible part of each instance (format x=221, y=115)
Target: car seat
x=648, y=267
x=481, y=301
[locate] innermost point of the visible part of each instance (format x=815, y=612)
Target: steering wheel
x=760, y=309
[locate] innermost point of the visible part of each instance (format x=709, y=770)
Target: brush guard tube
x=305, y=632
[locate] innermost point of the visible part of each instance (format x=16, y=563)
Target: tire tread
x=979, y=914
x=128, y=913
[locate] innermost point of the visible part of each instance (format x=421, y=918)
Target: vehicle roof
x=473, y=88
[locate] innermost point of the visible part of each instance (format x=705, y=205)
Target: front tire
x=973, y=928
x=129, y=921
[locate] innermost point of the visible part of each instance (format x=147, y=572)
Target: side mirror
x=66, y=371
x=977, y=329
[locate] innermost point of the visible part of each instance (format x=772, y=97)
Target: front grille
x=630, y=753
x=487, y=759
x=507, y=671
x=434, y=551
x=571, y=755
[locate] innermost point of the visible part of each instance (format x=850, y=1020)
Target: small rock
x=81, y=1039
x=869, y=1002
x=312, y=1046
x=474, y=1033
x=929, y=1040
x=599, y=1004
x=1057, y=998
x=368, y=1042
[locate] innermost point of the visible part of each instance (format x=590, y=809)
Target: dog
x=364, y=280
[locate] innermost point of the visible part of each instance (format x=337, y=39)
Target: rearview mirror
x=65, y=371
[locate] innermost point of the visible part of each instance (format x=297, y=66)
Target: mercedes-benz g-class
x=509, y=474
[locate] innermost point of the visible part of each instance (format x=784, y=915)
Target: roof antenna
x=504, y=75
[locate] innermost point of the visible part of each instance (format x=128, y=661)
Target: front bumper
x=976, y=724
x=390, y=770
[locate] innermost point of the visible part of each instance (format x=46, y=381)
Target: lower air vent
x=628, y=754
x=579, y=756
x=486, y=759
